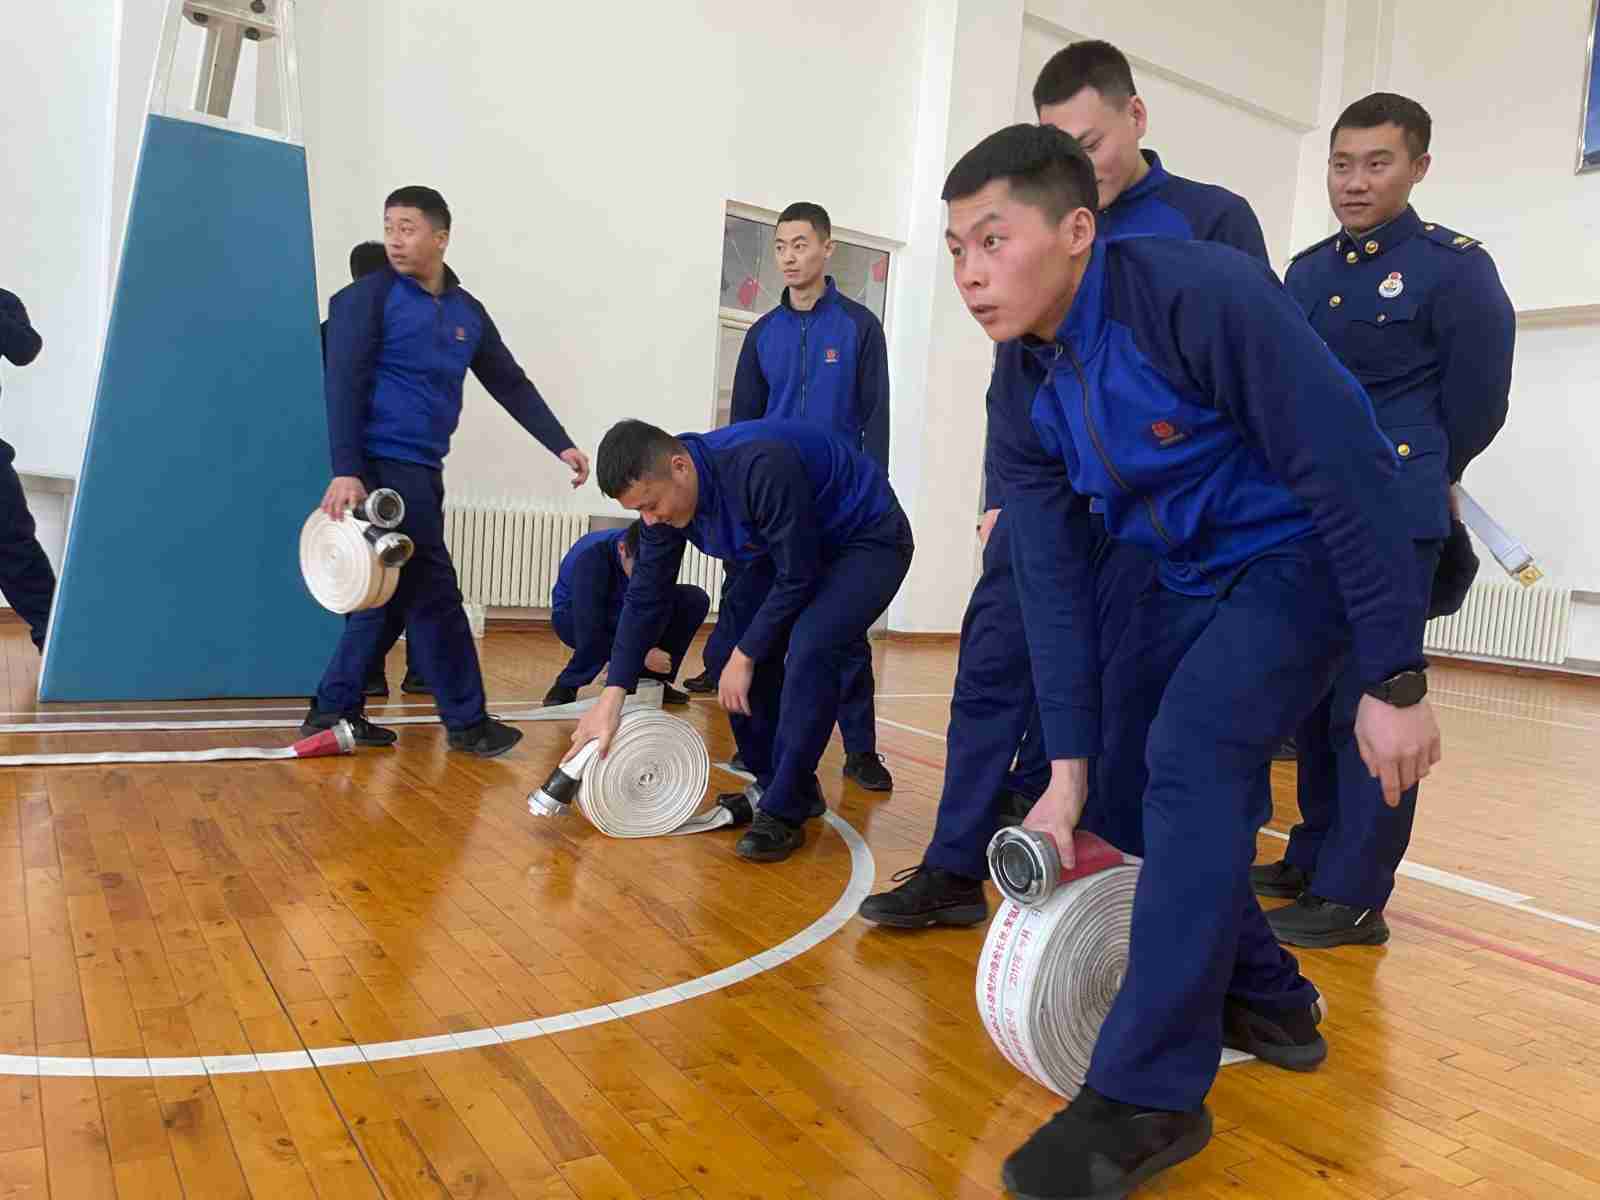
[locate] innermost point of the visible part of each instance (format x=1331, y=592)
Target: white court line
x=1443, y=879
x=863, y=870
x=64, y=714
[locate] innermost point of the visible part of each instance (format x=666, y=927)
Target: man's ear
x=1419, y=168
x=1076, y=231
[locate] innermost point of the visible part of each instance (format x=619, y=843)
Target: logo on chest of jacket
x=1167, y=434
x=461, y=333
x=830, y=355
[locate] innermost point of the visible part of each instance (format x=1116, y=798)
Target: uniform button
x=1372, y=247
x=1403, y=449
x=1335, y=301
x=1382, y=317
x=1352, y=257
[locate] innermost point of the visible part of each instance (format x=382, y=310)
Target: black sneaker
x=1285, y=1039
x=770, y=839
x=1102, y=1149
x=377, y=685
x=1287, y=751
x=367, y=734
x=1316, y=923
x=927, y=896
x=736, y=762
x=701, y=685
x=415, y=685
x=1282, y=880
x=560, y=695
x=671, y=695
x=868, y=771
x=489, y=738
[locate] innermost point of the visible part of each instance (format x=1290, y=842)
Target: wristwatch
x=1402, y=690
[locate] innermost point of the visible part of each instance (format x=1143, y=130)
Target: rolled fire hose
x=340, y=739
x=354, y=564
x=1056, y=952
x=652, y=782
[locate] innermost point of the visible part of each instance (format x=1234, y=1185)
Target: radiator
x=1503, y=619
x=508, y=553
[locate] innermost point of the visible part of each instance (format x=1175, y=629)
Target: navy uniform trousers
x=795, y=691
x=1348, y=840
x=427, y=601
x=26, y=578
x=993, y=715
x=1197, y=695
x=689, y=607
x=857, y=724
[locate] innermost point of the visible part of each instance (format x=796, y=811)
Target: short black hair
x=425, y=198
x=1045, y=167
x=804, y=210
x=1386, y=108
x=630, y=538
x=1097, y=65
x=631, y=451
x=367, y=257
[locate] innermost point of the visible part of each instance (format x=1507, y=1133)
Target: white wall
x=57, y=77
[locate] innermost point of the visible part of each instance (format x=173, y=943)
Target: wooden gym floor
x=216, y=913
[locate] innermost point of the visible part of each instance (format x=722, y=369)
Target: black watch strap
x=1401, y=690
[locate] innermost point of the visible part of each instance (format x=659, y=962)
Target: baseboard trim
x=921, y=638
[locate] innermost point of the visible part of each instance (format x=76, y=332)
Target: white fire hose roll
x=354, y=564
x=652, y=782
x=1049, y=972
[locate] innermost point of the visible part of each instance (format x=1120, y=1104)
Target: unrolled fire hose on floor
x=1056, y=952
x=651, y=782
x=338, y=740
x=354, y=564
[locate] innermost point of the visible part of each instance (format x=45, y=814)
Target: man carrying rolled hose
x=586, y=605
x=824, y=545
x=1177, y=384
x=400, y=343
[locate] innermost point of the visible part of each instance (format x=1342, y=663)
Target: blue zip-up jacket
x=829, y=366
x=18, y=340
x=1417, y=313
x=1159, y=205
x=589, y=589
x=397, y=357
x=780, y=489
x=1186, y=393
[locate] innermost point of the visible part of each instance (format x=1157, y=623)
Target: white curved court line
x=863, y=869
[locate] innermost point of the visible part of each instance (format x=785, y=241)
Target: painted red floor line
x=1474, y=939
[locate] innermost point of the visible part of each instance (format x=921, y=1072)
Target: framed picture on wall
x=1589, y=133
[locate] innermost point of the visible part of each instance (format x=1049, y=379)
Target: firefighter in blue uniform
x=1417, y=313
x=1087, y=90
x=1178, y=384
x=818, y=357
x=586, y=604
x=26, y=578
x=400, y=343
x=812, y=518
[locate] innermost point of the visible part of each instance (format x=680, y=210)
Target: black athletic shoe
x=1285, y=1039
x=489, y=738
x=377, y=685
x=1101, y=1149
x=1287, y=751
x=560, y=695
x=737, y=763
x=867, y=770
x=1282, y=880
x=415, y=685
x=701, y=685
x=1316, y=923
x=367, y=734
x=770, y=839
x=671, y=695
x=927, y=896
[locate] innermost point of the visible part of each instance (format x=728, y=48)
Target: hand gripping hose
x=355, y=563
x=1056, y=952
x=652, y=782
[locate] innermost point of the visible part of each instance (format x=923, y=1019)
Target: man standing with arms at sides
x=1086, y=89
x=26, y=577
x=400, y=343
x=817, y=357
x=1417, y=313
